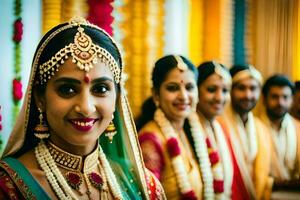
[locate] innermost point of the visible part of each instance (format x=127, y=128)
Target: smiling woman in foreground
x=74, y=138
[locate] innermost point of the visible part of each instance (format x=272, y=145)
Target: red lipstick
x=83, y=124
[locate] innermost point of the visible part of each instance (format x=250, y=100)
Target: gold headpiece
x=83, y=52
x=222, y=72
x=180, y=64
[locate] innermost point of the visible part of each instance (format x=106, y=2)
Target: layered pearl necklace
x=177, y=160
x=57, y=180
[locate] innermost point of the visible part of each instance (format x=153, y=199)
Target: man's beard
x=276, y=114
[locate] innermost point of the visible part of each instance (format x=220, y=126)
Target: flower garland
x=57, y=180
x=1, y=127
x=214, y=178
x=210, y=167
x=0, y=120
x=175, y=153
x=100, y=14
x=17, y=37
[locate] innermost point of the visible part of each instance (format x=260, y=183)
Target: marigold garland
x=17, y=38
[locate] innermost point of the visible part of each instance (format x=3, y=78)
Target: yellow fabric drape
x=51, y=14
x=196, y=31
x=143, y=44
x=211, y=32
x=226, y=32
x=71, y=8
x=273, y=45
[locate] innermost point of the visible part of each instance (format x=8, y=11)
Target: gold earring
x=110, y=131
x=41, y=129
x=156, y=104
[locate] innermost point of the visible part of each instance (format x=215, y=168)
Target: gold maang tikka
x=180, y=64
x=84, y=53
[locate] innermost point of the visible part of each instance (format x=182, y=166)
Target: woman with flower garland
x=74, y=138
x=166, y=122
x=214, y=83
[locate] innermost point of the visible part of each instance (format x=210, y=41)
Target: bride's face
x=79, y=105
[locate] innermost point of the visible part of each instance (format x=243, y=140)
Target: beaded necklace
x=58, y=181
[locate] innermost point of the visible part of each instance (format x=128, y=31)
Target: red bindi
x=86, y=78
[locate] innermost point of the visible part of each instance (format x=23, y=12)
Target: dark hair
x=164, y=65
x=161, y=69
x=237, y=68
x=56, y=43
x=277, y=80
x=206, y=69
x=297, y=85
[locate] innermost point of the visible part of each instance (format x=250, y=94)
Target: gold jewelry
x=180, y=64
x=41, y=129
x=77, y=169
x=110, y=131
x=83, y=52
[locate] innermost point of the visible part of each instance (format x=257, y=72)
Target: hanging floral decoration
x=100, y=14
x=1, y=127
x=0, y=120
x=17, y=38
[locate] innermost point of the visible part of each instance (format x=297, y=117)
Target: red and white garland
x=211, y=170
x=17, y=38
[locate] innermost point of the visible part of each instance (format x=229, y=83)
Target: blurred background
x=264, y=33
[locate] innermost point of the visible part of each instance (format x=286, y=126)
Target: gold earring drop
x=110, y=131
x=41, y=129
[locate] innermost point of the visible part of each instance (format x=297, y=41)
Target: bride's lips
x=83, y=124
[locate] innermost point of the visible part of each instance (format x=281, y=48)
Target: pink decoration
x=17, y=90
x=214, y=158
x=18, y=30
x=218, y=186
x=208, y=143
x=100, y=14
x=189, y=196
x=173, y=147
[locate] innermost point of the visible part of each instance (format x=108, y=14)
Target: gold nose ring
x=77, y=108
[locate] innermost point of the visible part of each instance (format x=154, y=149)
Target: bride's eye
x=66, y=90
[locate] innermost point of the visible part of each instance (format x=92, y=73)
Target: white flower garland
x=202, y=154
x=201, y=150
x=57, y=180
x=177, y=162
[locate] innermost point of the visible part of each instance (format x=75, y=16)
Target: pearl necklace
x=57, y=180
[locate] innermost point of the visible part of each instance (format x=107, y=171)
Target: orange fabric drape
x=211, y=30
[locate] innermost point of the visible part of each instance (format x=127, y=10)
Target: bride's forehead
x=69, y=68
